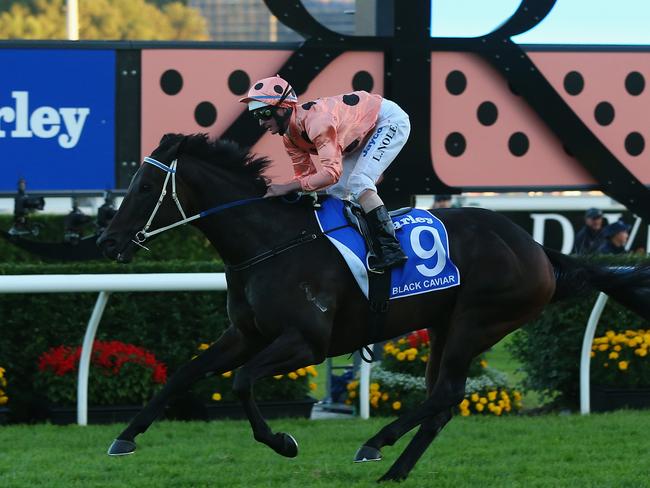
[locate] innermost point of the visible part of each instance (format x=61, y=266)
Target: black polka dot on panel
x=634, y=144
x=604, y=113
x=456, y=82
x=259, y=86
x=205, y=114
x=171, y=82
x=238, y=82
x=487, y=113
x=455, y=144
x=362, y=81
x=518, y=144
x=634, y=83
x=305, y=136
x=574, y=83
x=308, y=105
x=278, y=89
x=351, y=99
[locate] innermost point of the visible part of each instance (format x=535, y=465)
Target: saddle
x=378, y=282
x=356, y=217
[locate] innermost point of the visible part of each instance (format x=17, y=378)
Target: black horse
x=290, y=309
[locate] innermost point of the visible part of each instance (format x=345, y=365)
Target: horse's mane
x=224, y=153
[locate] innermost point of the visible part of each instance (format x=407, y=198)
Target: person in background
x=590, y=238
x=442, y=201
x=615, y=237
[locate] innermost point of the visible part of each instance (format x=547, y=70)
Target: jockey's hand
x=276, y=190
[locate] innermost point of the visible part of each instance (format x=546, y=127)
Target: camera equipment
x=23, y=206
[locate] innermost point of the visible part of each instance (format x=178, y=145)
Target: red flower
x=108, y=356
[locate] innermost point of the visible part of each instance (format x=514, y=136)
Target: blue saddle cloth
x=422, y=236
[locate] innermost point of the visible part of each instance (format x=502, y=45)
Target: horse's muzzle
x=110, y=248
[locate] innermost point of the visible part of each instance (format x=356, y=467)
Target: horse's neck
x=242, y=233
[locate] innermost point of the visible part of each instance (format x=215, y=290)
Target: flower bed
x=620, y=359
x=398, y=384
x=4, y=398
x=280, y=396
x=120, y=374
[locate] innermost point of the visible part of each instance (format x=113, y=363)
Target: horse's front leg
x=229, y=352
x=286, y=353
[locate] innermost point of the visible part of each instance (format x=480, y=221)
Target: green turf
x=546, y=451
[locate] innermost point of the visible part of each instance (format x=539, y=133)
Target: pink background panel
x=205, y=78
x=604, y=75
x=487, y=161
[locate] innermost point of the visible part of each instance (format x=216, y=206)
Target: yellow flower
x=352, y=394
x=622, y=365
x=2, y=372
x=216, y=397
x=641, y=352
x=613, y=355
x=348, y=402
x=397, y=405
x=424, y=358
x=603, y=347
x=516, y=395
x=479, y=407
x=401, y=356
x=385, y=397
x=464, y=404
x=610, y=333
x=313, y=386
x=374, y=386
x=293, y=375
x=278, y=376
x=592, y=354
x=617, y=348
x=464, y=413
x=474, y=397
x=203, y=347
x=492, y=395
x=483, y=400
x=312, y=371
x=227, y=374
x=302, y=372
x=497, y=411
x=483, y=363
x=374, y=402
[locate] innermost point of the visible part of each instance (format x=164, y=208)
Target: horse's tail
x=628, y=285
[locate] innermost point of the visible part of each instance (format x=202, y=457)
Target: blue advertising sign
x=57, y=119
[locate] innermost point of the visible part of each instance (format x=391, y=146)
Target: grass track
x=550, y=451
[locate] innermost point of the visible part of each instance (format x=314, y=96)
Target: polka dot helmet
x=270, y=91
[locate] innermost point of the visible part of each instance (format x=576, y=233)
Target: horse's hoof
x=288, y=447
x=121, y=447
x=367, y=453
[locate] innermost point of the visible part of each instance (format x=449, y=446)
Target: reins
x=142, y=235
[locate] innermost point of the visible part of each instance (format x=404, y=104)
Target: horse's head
x=183, y=176
x=149, y=203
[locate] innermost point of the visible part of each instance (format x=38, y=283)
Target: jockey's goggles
x=264, y=113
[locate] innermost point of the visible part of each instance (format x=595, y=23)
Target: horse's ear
x=170, y=139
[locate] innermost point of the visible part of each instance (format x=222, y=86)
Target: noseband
x=142, y=235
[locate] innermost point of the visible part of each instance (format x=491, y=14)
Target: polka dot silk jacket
x=328, y=127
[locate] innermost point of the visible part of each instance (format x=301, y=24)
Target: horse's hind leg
x=286, y=353
x=229, y=352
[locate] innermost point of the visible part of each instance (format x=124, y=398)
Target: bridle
x=144, y=234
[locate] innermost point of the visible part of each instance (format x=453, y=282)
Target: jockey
x=355, y=136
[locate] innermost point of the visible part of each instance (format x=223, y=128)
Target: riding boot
x=387, y=251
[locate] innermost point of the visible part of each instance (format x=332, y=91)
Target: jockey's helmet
x=273, y=91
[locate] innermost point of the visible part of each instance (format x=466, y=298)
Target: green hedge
x=170, y=324
x=185, y=242
x=549, y=348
